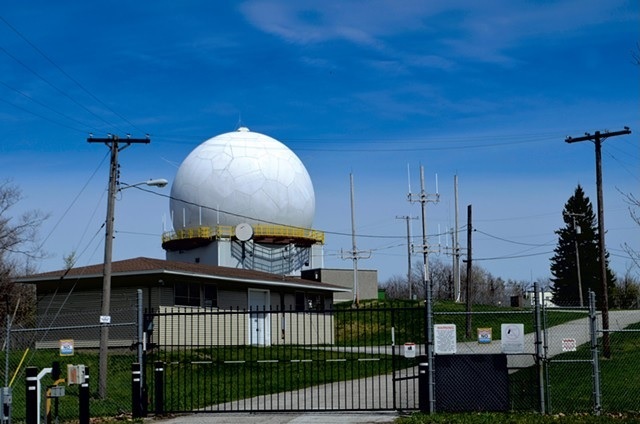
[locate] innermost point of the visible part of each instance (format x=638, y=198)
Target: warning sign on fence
x=484, y=335
x=569, y=345
x=444, y=339
x=66, y=347
x=512, y=338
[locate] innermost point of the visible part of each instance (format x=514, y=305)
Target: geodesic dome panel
x=242, y=176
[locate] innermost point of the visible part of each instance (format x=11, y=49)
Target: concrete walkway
x=281, y=418
x=358, y=393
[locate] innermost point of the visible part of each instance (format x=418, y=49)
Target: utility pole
x=598, y=138
x=355, y=254
x=423, y=198
x=113, y=143
x=407, y=218
x=469, y=271
x=456, y=246
x=576, y=232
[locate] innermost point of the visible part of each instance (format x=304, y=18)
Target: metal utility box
x=76, y=374
x=56, y=391
x=466, y=383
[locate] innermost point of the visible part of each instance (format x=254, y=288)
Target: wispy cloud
x=477, y=31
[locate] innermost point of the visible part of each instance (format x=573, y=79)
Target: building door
x=259, y=319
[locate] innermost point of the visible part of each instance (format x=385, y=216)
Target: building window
x=195, y=294
x=300, y=302
x=309, y=302
x=210, y=296
x=315, y=302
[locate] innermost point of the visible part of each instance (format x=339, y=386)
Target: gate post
x=595, y=362
x=538, y=295
x=32, y=407
x=159, y=387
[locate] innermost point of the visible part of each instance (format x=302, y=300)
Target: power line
x=66, y=74
x=60, y=91
x=42, y=104
x=406, y=145
x=496, y=258
x=511, y=241
x=43, y=117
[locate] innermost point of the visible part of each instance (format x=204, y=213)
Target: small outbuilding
x=174, y=287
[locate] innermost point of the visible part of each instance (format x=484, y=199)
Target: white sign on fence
x=512, y=338
x=409, y=350
x=445, y=339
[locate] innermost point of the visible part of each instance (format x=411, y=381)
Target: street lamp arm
x=157, y=182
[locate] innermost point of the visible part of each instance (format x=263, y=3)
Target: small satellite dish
x=244, y=231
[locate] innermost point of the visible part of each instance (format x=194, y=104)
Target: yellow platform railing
x=259, y=231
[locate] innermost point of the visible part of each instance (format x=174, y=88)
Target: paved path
x=357, y=393
x=281, y=418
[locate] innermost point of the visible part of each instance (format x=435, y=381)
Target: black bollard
x=84, y=398
x=136, y=386
x=423, y=386
x=159, y=387
x=32, y=396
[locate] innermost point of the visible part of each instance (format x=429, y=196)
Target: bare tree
x=19, y=249
x=442, y=280
x=485, y=288
x=626, y=293
x=634, y=207
x=396, y=287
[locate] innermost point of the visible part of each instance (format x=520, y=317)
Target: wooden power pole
x=113, y=143
x=597, y=139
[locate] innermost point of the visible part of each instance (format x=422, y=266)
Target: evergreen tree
x=581, y=231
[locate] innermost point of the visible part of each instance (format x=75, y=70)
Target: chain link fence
x=580, y=375
x=557, y=365
x=72, y=338
x=620, y=372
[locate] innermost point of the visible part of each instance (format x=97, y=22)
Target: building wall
x=77, y=316
x=367, y=282
x=59, y=310
x=193, y=327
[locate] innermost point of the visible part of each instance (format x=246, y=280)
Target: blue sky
x=486, y=91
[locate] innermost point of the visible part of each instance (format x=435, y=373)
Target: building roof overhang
x=139, y=267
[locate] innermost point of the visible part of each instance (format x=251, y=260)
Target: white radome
x=242, y=177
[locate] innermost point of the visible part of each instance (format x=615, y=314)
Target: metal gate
x=344, y=359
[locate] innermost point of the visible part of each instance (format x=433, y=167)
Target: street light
x=158, y=182
x=105, y=318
